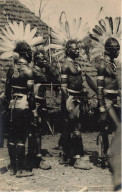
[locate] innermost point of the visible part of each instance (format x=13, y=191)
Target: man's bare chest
x=75, y=70
x=111, y=71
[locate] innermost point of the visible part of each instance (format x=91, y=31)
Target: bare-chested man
x=72, y=91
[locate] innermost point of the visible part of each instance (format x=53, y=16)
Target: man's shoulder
x=26, y=71
x=102, y=64
x=66, y=63
x=10, y=70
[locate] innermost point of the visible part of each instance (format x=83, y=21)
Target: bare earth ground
x=60, y=178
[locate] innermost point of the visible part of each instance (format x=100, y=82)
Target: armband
x=100, y=77
x=30, y=82
x=35, y=113
x=102, y=109
x=64, y=85
x=100, y=87
x=100, y=97
x=64, y=76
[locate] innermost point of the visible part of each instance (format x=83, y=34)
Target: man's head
x=72, y=49
x=24, y=51
x=40, y=58
x=112, y=47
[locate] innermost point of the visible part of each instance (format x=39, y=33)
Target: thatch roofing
x=11, y=10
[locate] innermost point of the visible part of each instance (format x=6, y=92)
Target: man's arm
x=31, y=95
x=100, y=87
x=64, y=83
x=64, y=80
x=8, y=84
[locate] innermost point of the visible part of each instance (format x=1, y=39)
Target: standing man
x=107, y=38
x=17, y=42
x=65, y=46
x=40, y=71
x=73, y=91
x=20, y=97
x=108, y=89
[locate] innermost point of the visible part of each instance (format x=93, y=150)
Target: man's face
x=115, y=53
x=22, y=62
x=41, y=62
x=73, y=51
x=42, y=58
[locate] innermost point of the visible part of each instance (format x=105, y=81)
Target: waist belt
x=39, y=98
x=18, y=87
x=111, y=91
x=18, y=95
x=73, y=92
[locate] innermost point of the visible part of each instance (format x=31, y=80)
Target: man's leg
x=20, y=158
x=21, y=124
x=114, y=116
x=81, y=161
x=12, y=143
x=65, y=141
x=12, y=156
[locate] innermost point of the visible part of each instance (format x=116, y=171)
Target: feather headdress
x=75, y=29
x=16, y=33
x=106, y=28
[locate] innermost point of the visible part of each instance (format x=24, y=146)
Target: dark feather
x=111, y=24
x=99, y=30
x=102, y=24
x=118, y=21
x=96, y=32
x=94, y=37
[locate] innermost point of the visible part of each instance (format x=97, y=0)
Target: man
x=40, y=71
x=108, y=89
x=72, y=92
x=21, y=101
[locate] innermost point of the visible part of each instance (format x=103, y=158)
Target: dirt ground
x=60, y=178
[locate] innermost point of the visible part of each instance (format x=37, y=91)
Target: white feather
x=12, y=27
x=4, y=37
x=6, y=55
x=2, y=48
x=6, y=33
x=21, y=27
x=8, y=44
x=61, y=57
x=17, y=30
x=108, y=28
x=54, y=46
x=36, y=40
x=31, y=35
x=57, y=53
x=9, y=32
x=27, y=31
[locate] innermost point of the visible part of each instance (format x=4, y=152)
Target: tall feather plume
x=74, y=29
x=105, y=29
x=14, y=33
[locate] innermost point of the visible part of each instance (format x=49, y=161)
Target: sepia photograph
x=60, y=96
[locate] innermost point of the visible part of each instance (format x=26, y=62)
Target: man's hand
x=35, y=121
x=103, y=116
